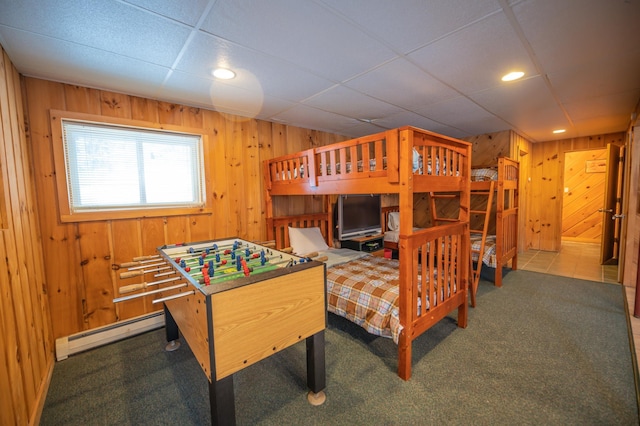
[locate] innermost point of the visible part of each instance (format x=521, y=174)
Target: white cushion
x=394, y=221
x=306, y=240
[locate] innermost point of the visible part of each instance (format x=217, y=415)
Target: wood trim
x=66, y=215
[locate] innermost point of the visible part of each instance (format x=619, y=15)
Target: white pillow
x=306, y=240
x=394, y=221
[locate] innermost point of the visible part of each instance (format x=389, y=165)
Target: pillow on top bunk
x=306, y=240
x=394, y=221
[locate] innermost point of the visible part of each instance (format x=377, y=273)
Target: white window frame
x=201, y=204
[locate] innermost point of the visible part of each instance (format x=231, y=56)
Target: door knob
x=605, y=210
x=617, y=216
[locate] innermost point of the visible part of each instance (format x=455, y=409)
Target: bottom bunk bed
x=399, y=299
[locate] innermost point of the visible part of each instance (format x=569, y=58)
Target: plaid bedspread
x=489, y=256
x=365, y=291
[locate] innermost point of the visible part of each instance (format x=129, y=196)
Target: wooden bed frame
x=383, y=164
x=506, y=214
x=505, y=190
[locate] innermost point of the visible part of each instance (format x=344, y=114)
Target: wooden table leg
x=316, y=376
x=221, y=397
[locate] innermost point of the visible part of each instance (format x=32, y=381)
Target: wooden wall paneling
x=583, y=196
x=27, y=234
x=237, y=185
x=252, y=181
x=10, y=318
x=630, y=268
x=94, y=247
x=176, y=229
x=82, y=99
x=41, y=313
x=14, y=401
x=24, y=322
x=126, y=244
x=543, y=221
x=61, y=259
x=488, y=147
x=264, y=152
x=215, y=125
x=551, y=214
x=200, y=227
x=534, y=228
x=193, y=117
x=279, y=147
x=144, y=109
x=151, y=236
x=170, y=113
x=114, y=104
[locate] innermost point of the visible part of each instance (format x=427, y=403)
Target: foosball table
x=235, y=303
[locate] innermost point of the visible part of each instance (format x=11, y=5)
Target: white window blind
x=116, y=168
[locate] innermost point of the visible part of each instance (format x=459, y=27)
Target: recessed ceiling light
x=512, y=76
x=223, y=73
x=557, y=131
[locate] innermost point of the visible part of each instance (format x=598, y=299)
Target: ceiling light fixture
x=558, y=131
x=514, y=75
x=223, y=74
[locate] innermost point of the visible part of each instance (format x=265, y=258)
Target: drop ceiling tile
x=109, y=26
x=600, y=125
x=476, y=57
x=414, y=23
x=401, y=83
x=317, y=119
x=408, y=118
x=222, y=97
x=58, y=60
x=254, y=70
x=345, y=101
x=464, y=114
x=187, y=12
x=610, y=105
x=524, y=96
x=307, y=35
x=567, y=33
x=605, y=75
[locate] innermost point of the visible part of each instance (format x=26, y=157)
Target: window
x=116, y=170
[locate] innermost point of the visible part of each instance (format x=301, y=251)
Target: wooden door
x=612, y=210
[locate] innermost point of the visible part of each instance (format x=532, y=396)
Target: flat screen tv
x=358, y=216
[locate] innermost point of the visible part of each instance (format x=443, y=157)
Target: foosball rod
x=250, y=263
x=135, y=287
x=195, y=259
x=201, y=249
x=139, y=260
x=146, y=293
x=173, y=296
x=268, y=266
x=139, y=272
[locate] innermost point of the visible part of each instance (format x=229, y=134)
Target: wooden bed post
x=407, y=299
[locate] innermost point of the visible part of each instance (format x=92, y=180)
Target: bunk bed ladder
x=480, y=234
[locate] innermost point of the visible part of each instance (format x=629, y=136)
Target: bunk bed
x=496, y=249
x=433, y=263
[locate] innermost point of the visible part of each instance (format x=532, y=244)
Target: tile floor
x=580, y=260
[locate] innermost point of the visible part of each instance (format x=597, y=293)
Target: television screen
x=358, y=216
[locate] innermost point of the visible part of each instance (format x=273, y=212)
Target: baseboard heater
x=90, y=339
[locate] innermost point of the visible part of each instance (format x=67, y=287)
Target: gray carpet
x=540, y=350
